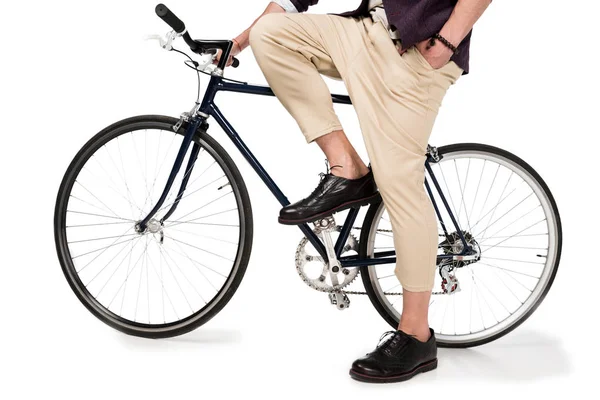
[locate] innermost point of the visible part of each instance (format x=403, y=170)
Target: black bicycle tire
x=372, y=212
x=244, y=249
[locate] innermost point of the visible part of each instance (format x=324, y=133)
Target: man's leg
x=292, y=58
x=340, y=152
x=397, y=98
x=293, y=50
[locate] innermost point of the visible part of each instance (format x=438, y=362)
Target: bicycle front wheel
x=508, y=215
x=182, y=270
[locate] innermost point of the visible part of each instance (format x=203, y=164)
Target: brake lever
x=165, y=42
x=205, y=62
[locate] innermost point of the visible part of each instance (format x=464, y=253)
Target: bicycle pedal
x=340, y=300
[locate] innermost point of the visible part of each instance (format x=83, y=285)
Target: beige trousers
x=396, y=98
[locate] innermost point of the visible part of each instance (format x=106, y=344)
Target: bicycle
x=150, y=263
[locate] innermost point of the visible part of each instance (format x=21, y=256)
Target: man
x=397, y=59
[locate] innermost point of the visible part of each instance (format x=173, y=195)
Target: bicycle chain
x=356, y=292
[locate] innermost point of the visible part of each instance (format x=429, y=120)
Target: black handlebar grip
x=171, y=19
x=236, y=63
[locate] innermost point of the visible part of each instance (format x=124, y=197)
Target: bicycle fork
x=195, y=123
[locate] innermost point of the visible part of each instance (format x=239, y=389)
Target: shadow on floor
x=520, y=356
x=198, y=336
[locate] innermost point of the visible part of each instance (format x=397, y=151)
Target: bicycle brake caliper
x=433, y=154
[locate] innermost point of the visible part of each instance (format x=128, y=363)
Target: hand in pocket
x=437, y=55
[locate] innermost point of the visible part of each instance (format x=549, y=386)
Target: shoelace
x=390, y=339
x=322, y=175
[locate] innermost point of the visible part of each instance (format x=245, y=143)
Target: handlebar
x=197, y=46
x=171, y=19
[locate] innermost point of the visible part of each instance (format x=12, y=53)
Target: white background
x=70, y=68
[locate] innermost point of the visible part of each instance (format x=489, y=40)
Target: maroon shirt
x=416, y=20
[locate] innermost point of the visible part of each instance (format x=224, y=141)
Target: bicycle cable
x=195, y=68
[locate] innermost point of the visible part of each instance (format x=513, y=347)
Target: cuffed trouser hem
x=311, y=137
x=417, y=289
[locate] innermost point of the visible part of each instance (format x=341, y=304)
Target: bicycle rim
x=178, y=273
x=500, y=291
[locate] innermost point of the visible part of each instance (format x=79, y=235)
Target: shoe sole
x=425, y=367
x=341, y=207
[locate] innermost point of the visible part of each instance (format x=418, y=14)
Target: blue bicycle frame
x=197, y=125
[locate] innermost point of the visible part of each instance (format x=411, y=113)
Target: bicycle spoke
x=154, y=278
x=186, y=278
x=200, y=208
x=201, y=223
x=394, y=287
x=108, y=263
x=142, y=170
x=204, y=236
x=506, y=272
x=156, y=175
x=513, y=247
x=195, y=263
x=126, y=278
x=199, y=248
x=101, y=202
x=163, y=292
x=111, y=187
x=202, y=217
x=479, y=297
x=511, y=236
x=90, y=225
x=169, y=205
x=507, y=287
x=471, y=308
x=124, y=283
x=130, y=199
x=483, y=297
x=494, y=210
x=99, y=215
x=509, y=259
x=476, y=191
x=137, y=302
x=88, y=203
x=462, y=195
x=102, y=249
x=102, y=238
x=503, y=215
x=492, y=293
x=506, y=218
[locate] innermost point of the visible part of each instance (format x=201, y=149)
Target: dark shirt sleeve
x=302, y=5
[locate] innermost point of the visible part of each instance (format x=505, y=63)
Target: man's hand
x=234, y=52
x=242, y=41
x=461, y=21
x=437, y=55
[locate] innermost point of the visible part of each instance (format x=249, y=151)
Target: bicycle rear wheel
x=507, y=213
x=180, y=272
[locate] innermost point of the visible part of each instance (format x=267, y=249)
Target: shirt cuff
x=287, y=5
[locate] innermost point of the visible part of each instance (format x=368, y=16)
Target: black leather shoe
x=398, y=358
x=333, y=194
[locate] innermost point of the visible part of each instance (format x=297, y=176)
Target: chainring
x=322, y=283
